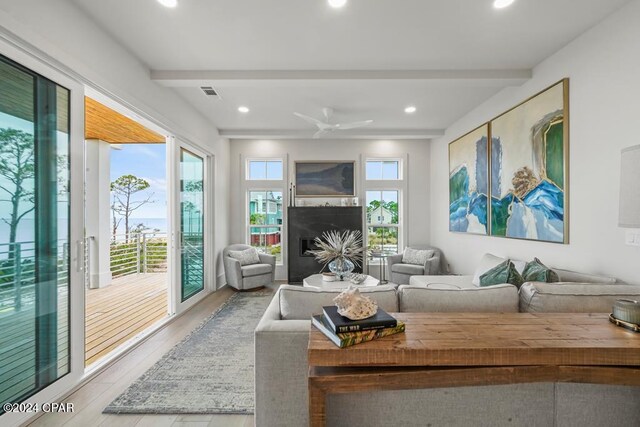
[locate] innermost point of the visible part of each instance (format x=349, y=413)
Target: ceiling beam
x=345, y=134
x=257, y=78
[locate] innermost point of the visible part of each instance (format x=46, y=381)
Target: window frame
x=249, y=226
x=400, y=185
x=397, y=160
x=249, y=160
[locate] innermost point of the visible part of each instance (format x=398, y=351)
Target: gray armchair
x=249, y=276
x=400, y=273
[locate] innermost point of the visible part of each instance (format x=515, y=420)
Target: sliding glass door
x=192, y=218
x=34, y=232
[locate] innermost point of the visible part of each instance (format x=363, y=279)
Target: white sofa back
x=298, y=303
x=537, y=297
x=442, y=299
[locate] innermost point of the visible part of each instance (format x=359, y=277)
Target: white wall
x=604, y=70
x=417, y=200
x=67, y=35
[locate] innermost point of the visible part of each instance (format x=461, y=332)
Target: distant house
x=269, y=212
x=379, y=215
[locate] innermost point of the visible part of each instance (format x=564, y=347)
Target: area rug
x=209, y=372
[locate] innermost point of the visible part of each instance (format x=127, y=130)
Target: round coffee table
x=315, y=281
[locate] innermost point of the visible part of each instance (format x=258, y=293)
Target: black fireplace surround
x=307, y=223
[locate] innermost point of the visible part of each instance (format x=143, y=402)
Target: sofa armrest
x=271, y=260
x=281, y=396
x=432, y=266
x=233, y=271
x=394, y=259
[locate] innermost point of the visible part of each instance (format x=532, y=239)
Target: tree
x=17, y=167
x=123, y=190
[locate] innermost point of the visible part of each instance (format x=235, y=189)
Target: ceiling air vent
x=209, y=91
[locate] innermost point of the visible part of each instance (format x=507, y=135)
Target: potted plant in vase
x=342, y=252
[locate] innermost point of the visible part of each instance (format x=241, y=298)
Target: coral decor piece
x=355, y=306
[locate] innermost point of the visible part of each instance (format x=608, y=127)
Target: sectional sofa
x=281, y=339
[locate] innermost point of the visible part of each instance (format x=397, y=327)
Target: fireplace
x=307, y=223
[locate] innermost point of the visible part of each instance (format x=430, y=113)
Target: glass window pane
x=267, y=240
x=257, y=170
x=274, y=170
x=34, y=232
x=374, y=170
x=390, y=170
x=191, y=223
x=382, y=239
x=390, y=204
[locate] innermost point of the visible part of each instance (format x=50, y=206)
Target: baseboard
x=221, y=280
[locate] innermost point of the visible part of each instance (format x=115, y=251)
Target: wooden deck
x=122, y=310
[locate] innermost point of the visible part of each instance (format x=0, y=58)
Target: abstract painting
x=529, y=151
x=469, y=182
x=325, y=179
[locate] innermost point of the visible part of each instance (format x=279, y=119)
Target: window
x=383, y=170
x=383, y=221
x=265, y=222
x=265, y=170
x=34, y=232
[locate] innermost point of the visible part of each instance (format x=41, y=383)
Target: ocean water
x=26, y=232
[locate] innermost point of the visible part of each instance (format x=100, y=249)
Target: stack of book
x=344, y=332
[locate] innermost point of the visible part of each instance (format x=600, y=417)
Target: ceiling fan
x=324, y=127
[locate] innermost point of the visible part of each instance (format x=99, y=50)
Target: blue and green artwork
x=528, y=163
x=469, y=183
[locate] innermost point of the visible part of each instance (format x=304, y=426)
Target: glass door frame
x=62, y=385
x=176, y=145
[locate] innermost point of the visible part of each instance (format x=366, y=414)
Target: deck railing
x=18, y=273
x=144, y=252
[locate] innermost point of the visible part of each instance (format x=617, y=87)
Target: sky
x=147, y=161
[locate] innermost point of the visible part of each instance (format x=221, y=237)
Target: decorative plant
x=336, y=246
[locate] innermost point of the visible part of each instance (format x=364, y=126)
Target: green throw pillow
x=536, y=271
x=502, y=273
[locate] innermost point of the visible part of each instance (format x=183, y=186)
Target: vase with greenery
x=342, y=252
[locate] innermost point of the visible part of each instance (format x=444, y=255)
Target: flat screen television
x=325, y=179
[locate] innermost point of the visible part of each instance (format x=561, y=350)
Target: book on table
x=340, y=324
x=347, y=339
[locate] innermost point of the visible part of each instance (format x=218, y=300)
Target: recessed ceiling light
x=243, y=109
x=336, y=4
x=500, y=4
x=410, y=109
x=168, y=3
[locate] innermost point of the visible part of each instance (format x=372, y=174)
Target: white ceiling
x=323, y=57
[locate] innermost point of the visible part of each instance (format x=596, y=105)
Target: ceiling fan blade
x=311, y=120
x=354, y=125
x=320, y=133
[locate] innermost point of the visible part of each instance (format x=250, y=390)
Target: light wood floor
x=122, y=310
x=93, y=397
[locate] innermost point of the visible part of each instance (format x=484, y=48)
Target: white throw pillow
x=246, y=257
x=416, y=256
x=487, y=262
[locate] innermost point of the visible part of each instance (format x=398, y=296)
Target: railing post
x=138, y=252
x=144, y=252
x=17, y=275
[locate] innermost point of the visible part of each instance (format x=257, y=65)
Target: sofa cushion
x=538, y=297
x=298, y=303
x=416, y=256
x=448, y=281
x=410, y=269
x=504, y=272
x=487, y=262
x=536, y=271
x=255, y=270
x=572, y=276
x=434, y=299
x=246, y=257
